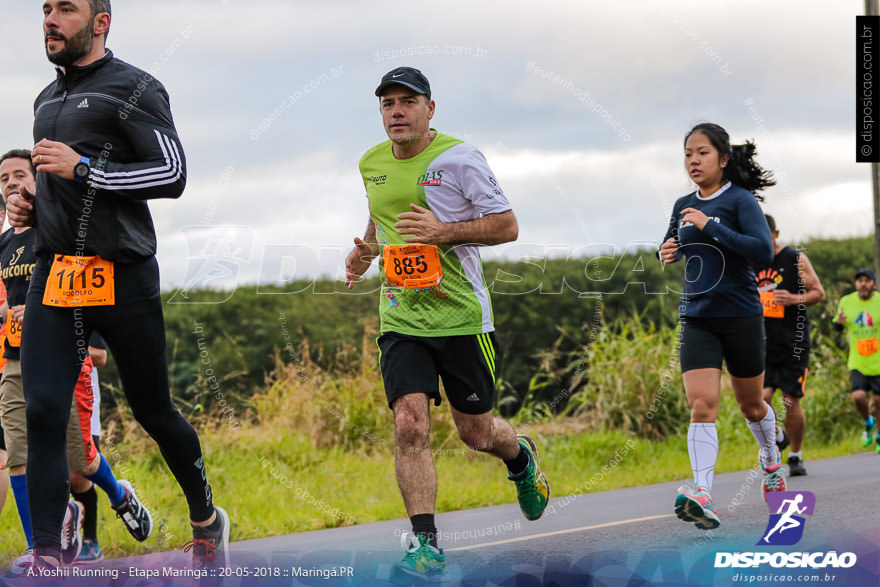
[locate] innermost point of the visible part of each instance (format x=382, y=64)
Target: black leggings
x=54, y=344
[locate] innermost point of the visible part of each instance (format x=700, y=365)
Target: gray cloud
x=651, y=69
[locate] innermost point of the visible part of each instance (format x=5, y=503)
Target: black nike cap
x=410, y=77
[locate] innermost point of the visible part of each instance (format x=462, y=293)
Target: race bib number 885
x=412, y=266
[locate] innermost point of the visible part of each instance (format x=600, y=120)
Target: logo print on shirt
x=84, y=103
x=768, y=279
x=497, y=191
x=865, y=319
x=16, y=256
x=431, y=178
x=682, y=223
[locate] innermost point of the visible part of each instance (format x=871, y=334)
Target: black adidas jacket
x=119, y=117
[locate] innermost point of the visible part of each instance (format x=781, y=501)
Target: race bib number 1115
x=79, y=282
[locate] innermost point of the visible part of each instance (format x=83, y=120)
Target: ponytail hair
x=741, y=169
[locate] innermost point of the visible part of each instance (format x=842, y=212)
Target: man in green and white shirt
x=859, y=312
x=433, y=202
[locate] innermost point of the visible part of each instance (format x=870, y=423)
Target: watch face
x=81, y=170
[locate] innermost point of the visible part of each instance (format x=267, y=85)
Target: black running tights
x=54, y=344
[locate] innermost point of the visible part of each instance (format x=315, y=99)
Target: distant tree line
x=225, y=344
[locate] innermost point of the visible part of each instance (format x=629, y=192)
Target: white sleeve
x=478, y=184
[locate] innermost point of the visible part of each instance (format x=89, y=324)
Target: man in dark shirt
x=788, y=286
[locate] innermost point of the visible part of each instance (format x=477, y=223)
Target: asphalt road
x=627, y=537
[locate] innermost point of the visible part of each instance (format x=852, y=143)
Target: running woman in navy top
x=721, y=231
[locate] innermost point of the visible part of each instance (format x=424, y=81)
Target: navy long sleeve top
x=719, y=281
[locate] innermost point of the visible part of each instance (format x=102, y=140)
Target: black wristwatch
x=82, y=170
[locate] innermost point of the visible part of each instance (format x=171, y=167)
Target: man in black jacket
x=105, y=144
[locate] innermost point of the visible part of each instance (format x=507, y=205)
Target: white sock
x=779, y=436
x=703, y=451
x=765, y=433
x=794, y=454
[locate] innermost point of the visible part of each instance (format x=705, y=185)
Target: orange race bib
x=867, y=346
x=412, y=266
x=80, y=281
x=13, y=330
x=771, y=309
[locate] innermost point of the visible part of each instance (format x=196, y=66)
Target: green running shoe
x=421, y=559
x=869, y=428
x=532, y=489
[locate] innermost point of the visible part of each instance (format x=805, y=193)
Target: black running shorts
x=790, y=378
x=739, y=342
x=467, y=365
x=869, y=383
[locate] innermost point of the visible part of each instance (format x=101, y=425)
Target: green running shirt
x=453, y=180
x=864, y=329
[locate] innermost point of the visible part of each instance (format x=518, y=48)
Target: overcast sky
x=580, y=107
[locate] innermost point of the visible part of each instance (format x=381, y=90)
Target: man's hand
x=841, y=319
x=782, y=297
x=359, y=260
x=422, y=224
x=20, y=208
x=55, y=158
x=18, y=314
x=668, y=250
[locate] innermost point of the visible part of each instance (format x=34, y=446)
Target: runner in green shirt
x=859, y=313
x=433, y=202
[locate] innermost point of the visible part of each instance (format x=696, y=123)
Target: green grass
x=275, y=484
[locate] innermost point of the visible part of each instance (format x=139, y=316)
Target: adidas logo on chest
x=84, y=103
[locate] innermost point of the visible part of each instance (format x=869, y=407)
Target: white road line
x=559, y=532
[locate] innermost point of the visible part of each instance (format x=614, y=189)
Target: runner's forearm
x=371, y=240
x=492, y=229
x=810, y=297
x=370, y=232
